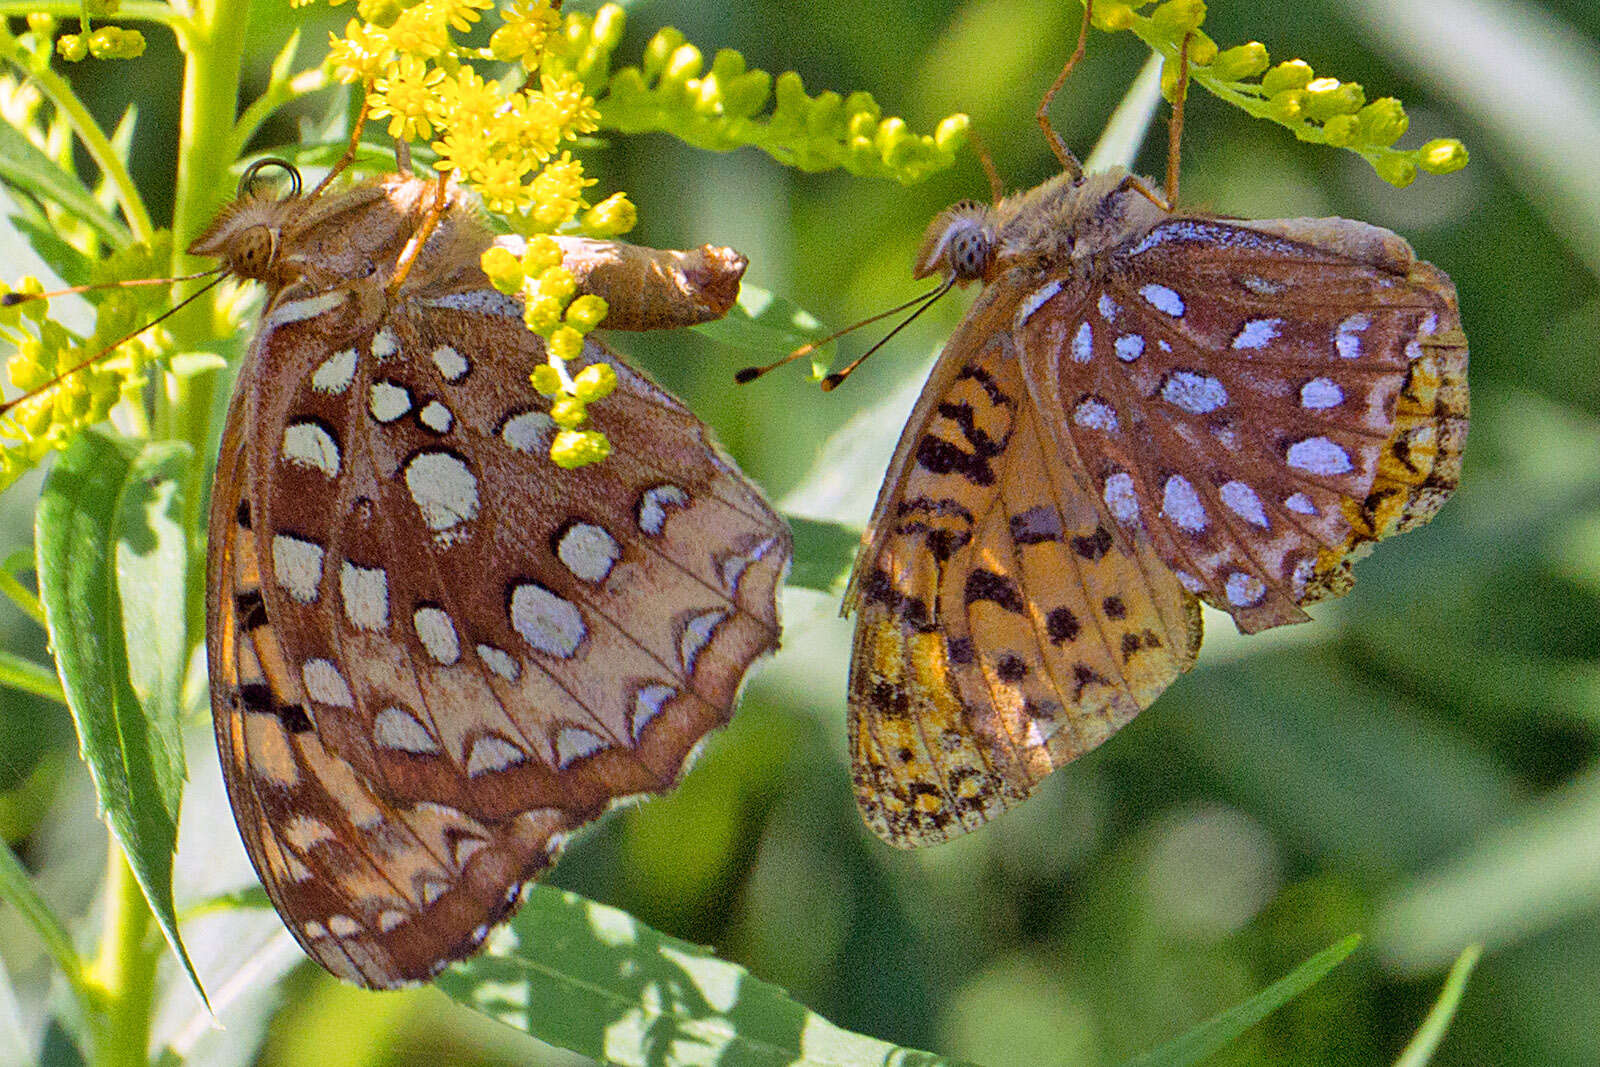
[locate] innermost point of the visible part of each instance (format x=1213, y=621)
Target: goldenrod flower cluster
x=553, y=309
x=1321, y=110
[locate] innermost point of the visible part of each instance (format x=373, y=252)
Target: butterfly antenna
x=997, y=188
x=113, y=346
x=13, y=299
x=1069, y=162
x=750, y=374
x=1175, y=127
x=834, y=380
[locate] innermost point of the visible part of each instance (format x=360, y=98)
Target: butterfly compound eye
x=958, y=243
x=969, y=253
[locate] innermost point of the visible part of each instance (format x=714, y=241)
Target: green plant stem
x=216, y=35
x=123, y=977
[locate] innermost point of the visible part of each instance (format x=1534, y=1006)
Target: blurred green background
x=1418, y=764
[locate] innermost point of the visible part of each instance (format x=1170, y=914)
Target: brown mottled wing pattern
x=1276, y=402
x=433, y=653
x=1003, y=629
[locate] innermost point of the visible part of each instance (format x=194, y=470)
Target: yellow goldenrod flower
x=360, y=55
x=404, y=95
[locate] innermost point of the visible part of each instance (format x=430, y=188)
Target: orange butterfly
x=1146, y=408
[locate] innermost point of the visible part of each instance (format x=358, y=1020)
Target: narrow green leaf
x=1221, y=1030
x=765, y=325
x=29, y=677
x=106, y=506
x=823, y=553
x=1421, y=1048
x=595, y=980
x=17, y=889
x=30, y=172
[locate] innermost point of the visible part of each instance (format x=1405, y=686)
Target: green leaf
x=1422, y=1047
x=823, y=553
x=595, y=980
x=764, y=324
x=107, y=524
x=30, y=171
x=1220, y=1030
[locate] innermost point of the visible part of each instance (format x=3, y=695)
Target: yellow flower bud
x=558, y=284
x=1295, y=74
x=587, y=311
x=565, y=343
x=541, y=313
x=1443, y=156
x=1382, y=122
x=542, y=254
x=72, y=47
x=503, y=268
x=595, y=382
x=1327, y=97
x=546, y=379
x=568, y=412
x=1238, y=64
x=578, y=448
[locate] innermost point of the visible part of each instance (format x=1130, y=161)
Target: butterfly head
x=959, y=244
x=247, y=234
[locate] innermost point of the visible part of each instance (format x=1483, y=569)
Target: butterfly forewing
x=433, y=652
x=1003, y=629
x=1140, y=409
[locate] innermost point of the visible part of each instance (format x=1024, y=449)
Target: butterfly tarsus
x=1069, y=162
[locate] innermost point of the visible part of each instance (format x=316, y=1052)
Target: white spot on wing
x=1243, y=502
x=1082, y=343
x=336, y=373
x=1095, y=414
x=588, y=551
x=1189, y=581
x=1181, y=504
x=1257, y=333
x=303, y=832
x=647, y=704
x=1345, y=339
x=300, y=310
x=653, y=505
x=500, y=662
x=1244, y=590
x=491, y=753
x=436, y=417
x=444, y=489
x=384, y=343
x=1196, y=393
x=696, y=634
x=325, y=684
x=1107, y=307
x=365, y=592
x=1036, y=300
x=437, y=634
x=547, y=622
x=297, y=565
x=452, y=365
x=398, y=729
x=1121, y=498
x=1318, y=455
x=388, y=401
x=1321, y=393
x=529, y=432
x=1300, y=504
x=573, y=744
x=1130, y=346
x=1165, y=300
x=308, y=444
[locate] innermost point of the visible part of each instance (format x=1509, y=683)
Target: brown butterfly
x=433, y=654
x=1146, y=408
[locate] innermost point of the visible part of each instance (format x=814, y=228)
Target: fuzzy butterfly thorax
x=433, y=653
x=1142, y=410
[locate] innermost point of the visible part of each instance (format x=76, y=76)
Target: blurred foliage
x=1419, y=764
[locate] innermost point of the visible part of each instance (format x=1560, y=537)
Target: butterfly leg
x=1069, y=162
x=1175, y=128
x=408, y=255
x=349, y=156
